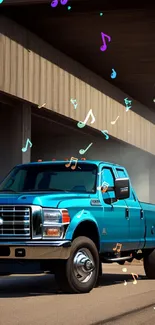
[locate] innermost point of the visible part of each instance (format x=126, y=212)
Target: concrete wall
x=10, y=140
x=14, y=131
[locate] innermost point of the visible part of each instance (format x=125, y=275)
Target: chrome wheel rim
x=83, y=265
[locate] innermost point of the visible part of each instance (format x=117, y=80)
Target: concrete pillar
x=26, y=132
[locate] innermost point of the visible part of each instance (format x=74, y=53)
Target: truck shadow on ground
x=26, y=286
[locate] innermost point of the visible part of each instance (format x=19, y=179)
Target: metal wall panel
x=32, y=70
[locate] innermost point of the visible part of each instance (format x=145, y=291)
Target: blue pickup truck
x=69, y=217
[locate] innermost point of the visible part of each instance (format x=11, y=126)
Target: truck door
x=135, y=217
x=115, y=222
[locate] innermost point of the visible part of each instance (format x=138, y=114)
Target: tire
x=149, y=264
x=68, y=277
x=99, y=275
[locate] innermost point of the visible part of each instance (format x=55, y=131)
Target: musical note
x=103, y=187
x=82, y=151
x=133, y=275
x=106, y=135
x=104, y=46
x=42, y=105
x=73, y=101
x=113, y=74
x=113, y=122
x=82, y=124
x=25, y=148
x=63, y=2
x=72, y=160
x=127, y=101
x=117, y=249
x=54, y=3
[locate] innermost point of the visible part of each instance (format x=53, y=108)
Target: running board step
x=117, y=259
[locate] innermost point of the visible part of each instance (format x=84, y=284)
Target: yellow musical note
x=117, y=249
x=133, y=275
x=72, y=160
x=103, y=187
x=81, y=124
x=113, y=122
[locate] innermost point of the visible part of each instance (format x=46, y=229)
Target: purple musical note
x=63, y=2
x=54, y=3
x=104, y=46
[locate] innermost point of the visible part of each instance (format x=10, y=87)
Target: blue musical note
x=74, y=102
x=105, y=133
x=82, y=151
x=127, y=102
x=27, y=142
x=113, y=74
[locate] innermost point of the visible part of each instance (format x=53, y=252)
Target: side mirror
x=122, y=188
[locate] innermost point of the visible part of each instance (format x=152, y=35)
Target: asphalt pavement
x=34, y=299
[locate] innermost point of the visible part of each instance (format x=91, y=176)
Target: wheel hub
x=83, y=266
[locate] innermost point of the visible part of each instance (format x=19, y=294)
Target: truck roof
x=96, y=162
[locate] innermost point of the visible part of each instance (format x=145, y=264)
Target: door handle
x=141, y=214
x=127, y=214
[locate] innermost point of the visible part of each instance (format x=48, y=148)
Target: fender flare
x=78, y=219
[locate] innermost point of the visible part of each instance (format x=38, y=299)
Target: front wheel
x=149, y=263
x=80, y=272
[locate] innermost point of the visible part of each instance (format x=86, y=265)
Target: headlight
x=52, y=216
x=55, y=222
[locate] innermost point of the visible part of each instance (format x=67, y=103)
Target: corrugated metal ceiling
x=77, y=33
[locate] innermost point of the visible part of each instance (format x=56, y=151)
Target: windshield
x=51, y=177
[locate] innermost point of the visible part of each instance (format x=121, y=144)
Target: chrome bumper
x=35, y=250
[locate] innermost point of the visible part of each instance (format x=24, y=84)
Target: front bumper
x=35, y=250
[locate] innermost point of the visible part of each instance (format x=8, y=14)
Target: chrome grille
x=16, y=221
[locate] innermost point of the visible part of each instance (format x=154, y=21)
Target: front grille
x=15, y=221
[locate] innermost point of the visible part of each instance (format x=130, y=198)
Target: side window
x=120, y=173
x=107, y=176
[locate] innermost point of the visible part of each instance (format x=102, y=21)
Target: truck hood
x=44, y=199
